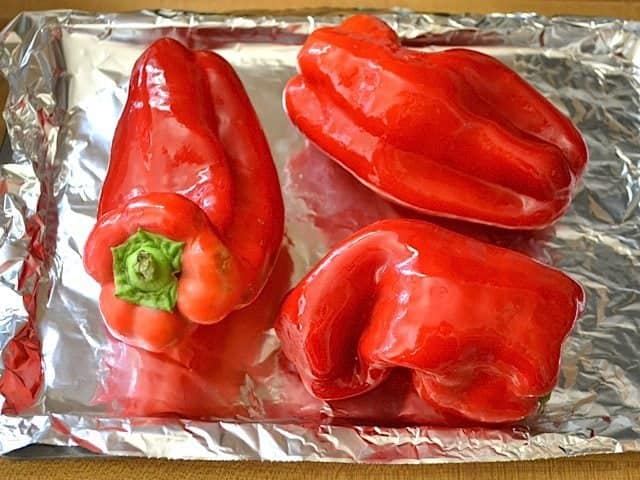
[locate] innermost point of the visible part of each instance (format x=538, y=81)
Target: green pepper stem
x=148, y=269
x=145, y=265
x=145, y=269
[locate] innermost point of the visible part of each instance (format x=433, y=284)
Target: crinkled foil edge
x=184, y=439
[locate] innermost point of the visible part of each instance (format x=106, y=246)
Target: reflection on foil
x=238, y=397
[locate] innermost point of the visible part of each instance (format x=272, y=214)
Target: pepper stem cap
x=146, y=268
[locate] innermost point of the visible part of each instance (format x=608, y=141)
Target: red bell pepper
x=190, y=217
x=453, y=133
x=480, y=326
x=205, y=374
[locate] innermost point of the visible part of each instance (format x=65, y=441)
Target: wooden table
x=606, y=467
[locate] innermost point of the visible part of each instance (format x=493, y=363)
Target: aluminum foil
x=72, y=385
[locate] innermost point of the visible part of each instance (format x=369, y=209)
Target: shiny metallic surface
x=68, y=74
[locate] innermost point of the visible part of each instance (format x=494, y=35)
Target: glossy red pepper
x=453, y=133
x=190, y=217
x=203, y=376
x=480, y=326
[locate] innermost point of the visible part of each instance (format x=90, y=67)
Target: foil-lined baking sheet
x=67, y=383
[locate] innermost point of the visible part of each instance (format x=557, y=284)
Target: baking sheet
x=68, y=74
